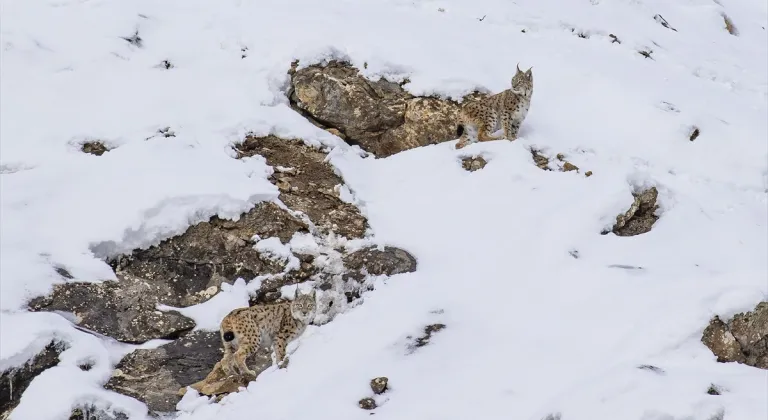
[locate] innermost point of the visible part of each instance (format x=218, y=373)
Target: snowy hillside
x=543, y=315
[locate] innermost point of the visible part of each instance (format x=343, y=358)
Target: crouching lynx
x=244, y=330
x=507, y=109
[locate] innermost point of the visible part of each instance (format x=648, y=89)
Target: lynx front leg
x=510, y=130
x=280, y=358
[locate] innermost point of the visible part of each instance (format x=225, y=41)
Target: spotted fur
x=505, y=110
x=244, y=330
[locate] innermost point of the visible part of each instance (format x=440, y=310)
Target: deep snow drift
x=531, y=330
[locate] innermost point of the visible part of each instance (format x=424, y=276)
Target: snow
x=530, y=330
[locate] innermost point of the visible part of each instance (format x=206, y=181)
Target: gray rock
x=641, y=215
x=390, y=261
x=380, y=116
x=379, y=385
x=14, y=381
x=124, y=310
x=743, y=339
x=155, y=376
x=473, y=163
x=210, y=253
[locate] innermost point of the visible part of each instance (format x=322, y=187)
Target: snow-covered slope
x=531, y=330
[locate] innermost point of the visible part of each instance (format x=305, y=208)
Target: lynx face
x=522, y=81
x=303, y=307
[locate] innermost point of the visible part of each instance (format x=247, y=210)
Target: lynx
x=507, y=109
x=245, y=329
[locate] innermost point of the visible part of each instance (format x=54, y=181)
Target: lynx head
x=522, y=81
x=303, y=307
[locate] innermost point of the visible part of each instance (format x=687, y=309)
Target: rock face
x=307, y=183
x=154, y=376
x=189, y=269
x=124, y=309
x=640, y=217
x=743, y=339
x=373, y=261
x=211, y=253
x=13, y=382
x=380, y=116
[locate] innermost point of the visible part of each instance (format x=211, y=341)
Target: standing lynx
x=245, y=329
x=506, y=109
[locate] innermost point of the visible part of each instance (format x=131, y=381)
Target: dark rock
x=367, y=403
x=473, y=163
x=155, y=376
x=94, y=148
x=540, y=160
x=640, y=217
x=307, y=183
x=194, y=264
x=651, y=368
x=124, y=310
x=714, y=390
x=380, y=116
x=373, y=261
x=744, y=339
x=14, y=381
x=379, y=385
x=423, y=340
x=694, y=133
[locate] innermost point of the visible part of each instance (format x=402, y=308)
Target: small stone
x=473, y=163
x=560, y=157
x=379, y=385
x=568, y=166
x=714, y=390
x=367, y=403
x=96, y=148
x=588, y=174
x=694, y=133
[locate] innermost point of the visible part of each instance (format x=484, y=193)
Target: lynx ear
x=518, y=68
x=296, y=293
x=529, y=73
x=313, y=294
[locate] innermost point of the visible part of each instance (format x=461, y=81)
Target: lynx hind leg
x=484, y=135
x=242, y=353
x=469, y=132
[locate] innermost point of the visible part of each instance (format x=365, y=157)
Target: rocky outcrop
x=380, y=115
x=155, y=376
x=124, y=310
x=14, y=381
x=307, y=184
x=189, y=269
x=641, y=215
x=195, y=263
x=371, y=260
x=743, y=339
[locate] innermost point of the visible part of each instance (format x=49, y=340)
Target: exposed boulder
x=379, y=385
x=307, y=183
x=473, y=163
x=380, y=116
x=14, y=381
x=155, y=376
x=96, y=148
x=641, y=215
x=376, y=262
x=124, y=310
x=743, y=339
x=195, y=263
